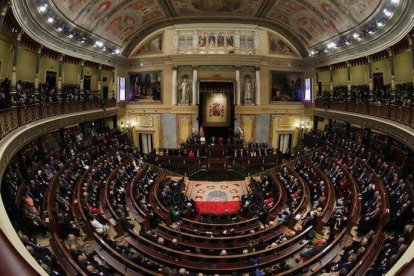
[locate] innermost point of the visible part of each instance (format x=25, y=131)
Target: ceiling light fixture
x=50, y=20
x=331, y=45
x=387, y=13
x=43, y=8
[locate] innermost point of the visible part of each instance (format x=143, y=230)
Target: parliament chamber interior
x=207, y=137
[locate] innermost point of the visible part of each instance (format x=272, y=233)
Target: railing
x=14, y=117
x=403, y=115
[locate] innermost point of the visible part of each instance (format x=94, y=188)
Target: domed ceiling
x=124, y=23
x=312, y=21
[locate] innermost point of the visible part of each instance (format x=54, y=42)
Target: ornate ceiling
x=312, y=21
x=125, y=23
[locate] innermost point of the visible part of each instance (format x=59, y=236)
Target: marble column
x=16, y=45
x=114, y=85
x=348, y=68
x=331, y=88
x=391, y=69
x=82, y=65
x=99, y=75
x=238, y=87
x=60, y=76
x=195, y=92
x=410, y=41
x=174, y=86
x=318, y=92
x=370, y=79
x=257, y=97
x=38, y=97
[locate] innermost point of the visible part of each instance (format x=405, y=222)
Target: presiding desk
x=226, y=156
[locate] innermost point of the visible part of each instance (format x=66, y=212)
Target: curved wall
x=9, y=146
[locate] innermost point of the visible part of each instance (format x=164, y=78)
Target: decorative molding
x=392, y=32
x=145, y=121
x=296, y=41
x=40, y=32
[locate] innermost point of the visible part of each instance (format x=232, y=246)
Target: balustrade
x=339, y=106
x=403, y=115
x=12, y=118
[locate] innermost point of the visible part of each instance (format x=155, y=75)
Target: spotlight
x=387, y=13
x=43, y=8
x=50, y=20
x=380, y=24
x=99, y=44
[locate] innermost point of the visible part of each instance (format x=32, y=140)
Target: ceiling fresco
x=316, y=20
x=113, y=20
x=311, y=22
x=216, y=7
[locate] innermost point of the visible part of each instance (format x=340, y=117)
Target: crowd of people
x=27, y=95
x=318, y=206
x=403, y=95
x=372, y=170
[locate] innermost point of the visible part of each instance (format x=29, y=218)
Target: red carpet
x=217, y=207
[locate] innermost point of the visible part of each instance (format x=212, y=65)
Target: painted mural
x=278, y=46
x=313, y=20
x=318, y=20
x=217, y=5
x=153, y=46
x=235, y=7
x=286, y=86
x=145, y=87
x=114, y=20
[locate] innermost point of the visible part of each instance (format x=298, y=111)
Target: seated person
x=99, y=227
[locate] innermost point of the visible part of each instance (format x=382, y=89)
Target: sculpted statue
x=185, y=88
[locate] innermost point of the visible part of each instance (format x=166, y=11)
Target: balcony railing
x=403, y=115
x=14, y=117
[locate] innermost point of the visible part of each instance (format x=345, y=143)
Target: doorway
x=87, y=83
x=285, y=142
x=145, y=142
x=105, y=93
x=378, y=79
x=50, y=80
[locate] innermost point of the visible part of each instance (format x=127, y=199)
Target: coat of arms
x=216, y=110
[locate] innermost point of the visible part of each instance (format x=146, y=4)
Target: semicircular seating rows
x=96, y=205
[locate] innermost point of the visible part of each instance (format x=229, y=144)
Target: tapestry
x=216, y=110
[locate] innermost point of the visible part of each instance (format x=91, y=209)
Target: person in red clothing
x=191, y=154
